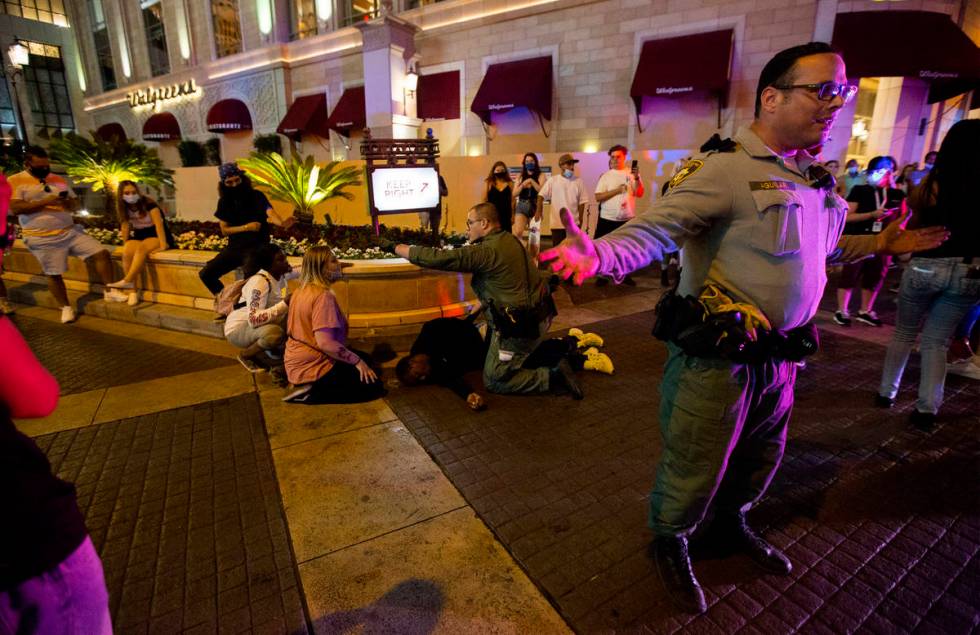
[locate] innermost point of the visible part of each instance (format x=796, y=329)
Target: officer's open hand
x=575, y=257
x=895, y=239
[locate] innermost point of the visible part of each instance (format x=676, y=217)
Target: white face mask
x=132, y=199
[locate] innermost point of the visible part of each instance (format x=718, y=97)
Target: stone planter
x=379, y=297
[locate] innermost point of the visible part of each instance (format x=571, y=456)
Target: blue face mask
x=568, y=174
x=529, y=165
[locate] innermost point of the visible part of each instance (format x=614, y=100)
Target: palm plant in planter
x=103, y=164
x=301, y=183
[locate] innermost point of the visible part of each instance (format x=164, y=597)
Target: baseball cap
x=567, y=158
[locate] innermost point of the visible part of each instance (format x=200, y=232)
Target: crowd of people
x=759, y=222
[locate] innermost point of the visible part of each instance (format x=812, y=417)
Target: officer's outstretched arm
x=699, y=194
x=469, y=258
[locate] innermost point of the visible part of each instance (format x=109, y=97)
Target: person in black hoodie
x=444, y=351
x=244, y=214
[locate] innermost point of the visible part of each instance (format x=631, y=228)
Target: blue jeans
x=934, y=296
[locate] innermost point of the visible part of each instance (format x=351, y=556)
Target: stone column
x=388, y=53
x=899, y=107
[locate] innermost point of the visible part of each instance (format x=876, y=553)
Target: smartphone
x=635, y=167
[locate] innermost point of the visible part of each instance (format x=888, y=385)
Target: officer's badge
x=689, y=168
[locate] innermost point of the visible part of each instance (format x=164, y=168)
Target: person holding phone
x=870, y=207
x=44, y=205
x=616, y=193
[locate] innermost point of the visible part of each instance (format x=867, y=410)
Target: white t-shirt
x=567, y=193
x=263, y=308
x=52, y=218
x=622, y=206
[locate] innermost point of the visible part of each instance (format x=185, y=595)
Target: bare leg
x=520, y=226
x=103, y=266
x=129, y=250
x=868, y=297
x=843, y=299
x=141, y=253
x=56, y=285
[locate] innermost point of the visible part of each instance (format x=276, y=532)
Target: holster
x=684, y=321
x=521, y=322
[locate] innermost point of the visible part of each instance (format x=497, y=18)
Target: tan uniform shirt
x=748, y=221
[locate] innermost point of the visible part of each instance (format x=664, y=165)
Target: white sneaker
x=6, y=308
x=134, y=298
x=968, y=369
x=119, y=284
x=115, y=295
x=67, y=314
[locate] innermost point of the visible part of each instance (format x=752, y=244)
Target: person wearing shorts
x=44, y=204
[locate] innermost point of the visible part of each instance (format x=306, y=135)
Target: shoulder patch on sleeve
x=689, y=168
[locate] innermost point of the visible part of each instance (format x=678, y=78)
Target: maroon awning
x=524, y=83
x=941, y=90
x=229, y=115
x=439, y=96
x=349, y=113
x=919, y=44
x=678, y=66
x=162, y=126
x=110, y=131
x=307, y=115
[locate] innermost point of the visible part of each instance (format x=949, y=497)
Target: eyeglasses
x=470, y=221
x=826, y=91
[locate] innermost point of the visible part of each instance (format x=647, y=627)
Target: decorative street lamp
x=20, y=56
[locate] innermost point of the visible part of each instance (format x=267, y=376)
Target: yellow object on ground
x=585, y=339
x=599, y=362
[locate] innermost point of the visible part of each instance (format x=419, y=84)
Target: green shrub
x=191, y=154
x=267, y=143
x=212, y=150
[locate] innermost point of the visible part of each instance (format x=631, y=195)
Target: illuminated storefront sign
x=152, y=96
x=403, y=189
x=670, y=90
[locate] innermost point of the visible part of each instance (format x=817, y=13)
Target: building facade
x=167, y=70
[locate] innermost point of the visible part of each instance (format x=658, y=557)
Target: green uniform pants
x=508, y=376
x=724, y=430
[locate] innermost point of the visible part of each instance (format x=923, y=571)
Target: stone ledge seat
x=381, y=298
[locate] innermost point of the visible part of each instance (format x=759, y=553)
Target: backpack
x=227, y=299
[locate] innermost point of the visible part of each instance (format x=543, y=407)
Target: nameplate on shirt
x=757, y=186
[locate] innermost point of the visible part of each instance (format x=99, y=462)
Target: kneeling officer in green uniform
x=759, y=220
x=520, y=308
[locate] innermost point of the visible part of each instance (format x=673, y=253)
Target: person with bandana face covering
x=45, y=205
x=318, y=363
x=244, y=214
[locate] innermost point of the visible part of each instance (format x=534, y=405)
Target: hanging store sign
x=152, y=96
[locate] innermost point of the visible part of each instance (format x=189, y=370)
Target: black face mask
x=499, y=175
x=39, y=173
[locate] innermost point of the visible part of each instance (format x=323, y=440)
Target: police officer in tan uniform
x=758, y=220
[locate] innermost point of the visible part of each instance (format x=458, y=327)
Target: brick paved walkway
x=881, y=521
x=184, y=509
x=85, y=360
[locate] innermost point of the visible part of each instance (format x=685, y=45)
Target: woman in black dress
x=500, y=194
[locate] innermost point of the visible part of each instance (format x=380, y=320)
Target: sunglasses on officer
x=825, y=91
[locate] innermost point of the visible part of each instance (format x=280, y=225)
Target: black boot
x=674, y=567
x=563, y=375
x=743, y=538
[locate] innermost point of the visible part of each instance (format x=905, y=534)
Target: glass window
x=8, y=117
x=359, y=10
x=415, y=4
x=49, y=11
x=103, y=57
x=857, y=147
x=227, y=31
x=156, y=38
x=96, y=14
x=304, y=19
x=47, y=90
